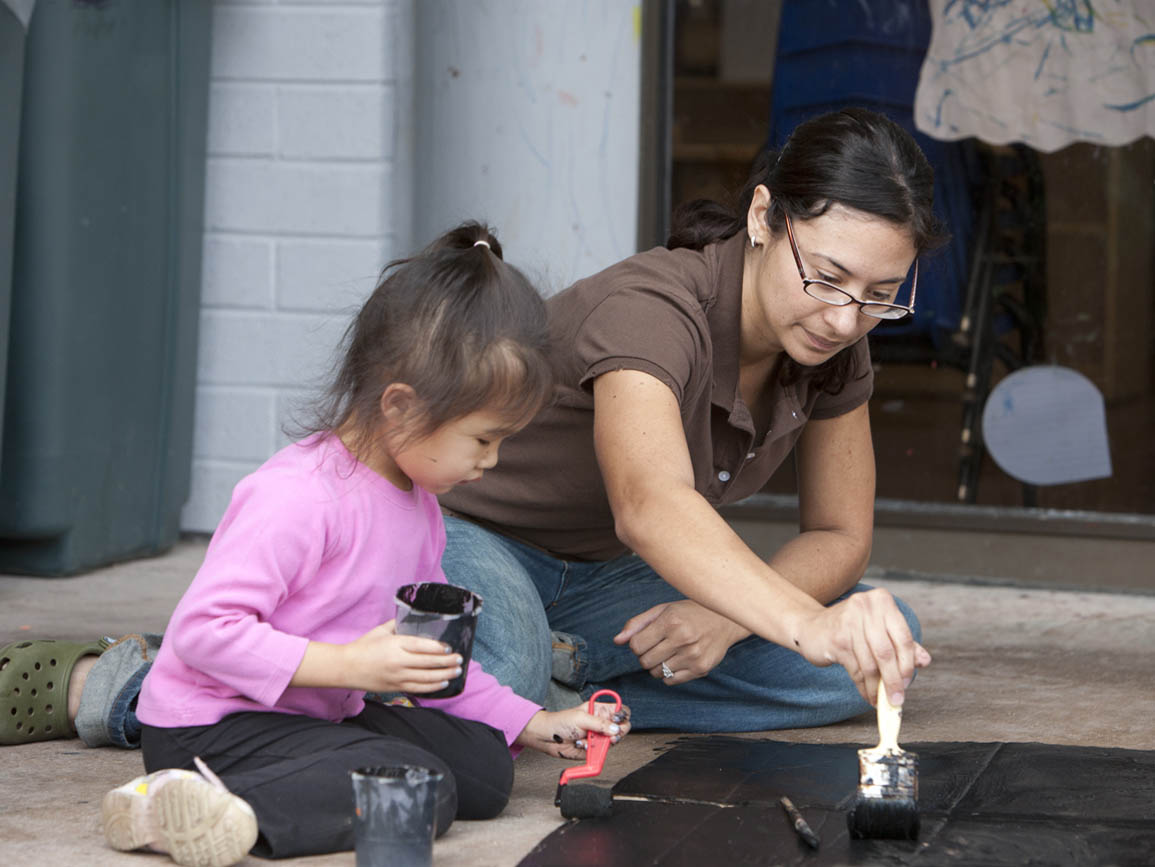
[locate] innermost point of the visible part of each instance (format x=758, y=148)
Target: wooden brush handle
x=889, y=721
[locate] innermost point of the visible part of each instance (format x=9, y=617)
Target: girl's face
x=865, y=255
x=458, y=452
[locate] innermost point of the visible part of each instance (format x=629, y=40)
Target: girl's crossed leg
x=294, y=770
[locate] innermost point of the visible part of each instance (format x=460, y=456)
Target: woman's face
x=864, y=255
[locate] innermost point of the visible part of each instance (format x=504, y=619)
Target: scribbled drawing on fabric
x=1043, y=72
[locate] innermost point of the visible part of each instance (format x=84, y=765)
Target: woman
x=684, y=378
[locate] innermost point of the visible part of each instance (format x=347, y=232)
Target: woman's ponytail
x=697, y=224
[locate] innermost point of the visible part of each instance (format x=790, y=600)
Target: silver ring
x=667, y=671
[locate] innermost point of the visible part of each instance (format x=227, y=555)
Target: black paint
x=445, y=613
x=980, y=804
x=393, y=823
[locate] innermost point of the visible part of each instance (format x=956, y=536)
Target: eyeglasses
x=830, y=294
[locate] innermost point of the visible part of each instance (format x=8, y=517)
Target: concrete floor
x=1011, y=664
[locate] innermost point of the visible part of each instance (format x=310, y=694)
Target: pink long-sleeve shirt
x=313, y=547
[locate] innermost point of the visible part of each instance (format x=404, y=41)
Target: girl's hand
x=563, y=733
x=869, y=637
x=383, y=661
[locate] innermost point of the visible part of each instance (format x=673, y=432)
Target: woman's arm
x=658, y=513
x=835, y=466
x=649, y=479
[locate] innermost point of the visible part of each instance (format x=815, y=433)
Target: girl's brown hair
x=464, y=329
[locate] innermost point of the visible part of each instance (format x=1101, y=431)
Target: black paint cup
x=446, y=613
x=395, y=815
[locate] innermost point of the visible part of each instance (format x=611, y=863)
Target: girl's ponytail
x=466, y=237
x=457, y=324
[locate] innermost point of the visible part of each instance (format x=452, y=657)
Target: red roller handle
x=597, y=745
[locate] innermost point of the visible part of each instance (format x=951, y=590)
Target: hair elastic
x=480, y=243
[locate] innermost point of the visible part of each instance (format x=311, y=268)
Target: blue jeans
x=758, y=686
x=107, y=712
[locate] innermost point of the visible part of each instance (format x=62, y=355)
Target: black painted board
x=702, y=835
x=946, y=771
x=996, y=842
x=733, y=770
x=981, y=805
x=739, y=770
x=1078, y=782
x=636, y=833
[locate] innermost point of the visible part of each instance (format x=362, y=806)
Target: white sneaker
x=192, y=817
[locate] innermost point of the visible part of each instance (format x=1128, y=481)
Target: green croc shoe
x=34, y=678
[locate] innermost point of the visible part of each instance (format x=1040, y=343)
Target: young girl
x=267, y=659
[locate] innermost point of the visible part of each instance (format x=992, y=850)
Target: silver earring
x=753, y=243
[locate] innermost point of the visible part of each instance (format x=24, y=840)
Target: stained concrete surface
x=1010, y=664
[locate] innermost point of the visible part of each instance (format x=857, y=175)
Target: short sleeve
x=644, y=329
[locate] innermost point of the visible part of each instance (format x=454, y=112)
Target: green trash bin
x=14, y=15
x=97, y=431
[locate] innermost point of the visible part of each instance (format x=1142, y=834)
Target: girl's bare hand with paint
x=563, y=733
x=868, y=636
x=379, y=661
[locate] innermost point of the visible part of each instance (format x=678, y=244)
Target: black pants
x=294, y=770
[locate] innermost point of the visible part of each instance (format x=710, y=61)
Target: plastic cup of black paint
x=446, y=613
x=395, y=815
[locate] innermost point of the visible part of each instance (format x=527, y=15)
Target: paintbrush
x=798, y=823
x=886, y=805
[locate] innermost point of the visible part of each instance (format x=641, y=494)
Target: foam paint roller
x=886, y=804
x=584, y=801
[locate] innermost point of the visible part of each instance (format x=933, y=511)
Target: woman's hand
x=380, y=661
x=563, y=733
x=688, y=638
x=868, y=636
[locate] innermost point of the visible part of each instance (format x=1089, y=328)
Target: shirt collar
x=725, y=317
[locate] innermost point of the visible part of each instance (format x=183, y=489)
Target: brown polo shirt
x=673, y=314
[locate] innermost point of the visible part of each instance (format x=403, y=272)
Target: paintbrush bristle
x=883, y=818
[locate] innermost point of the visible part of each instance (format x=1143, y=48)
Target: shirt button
x=723, y=476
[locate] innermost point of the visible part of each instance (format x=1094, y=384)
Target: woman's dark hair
x=464, y=329
x=853, y=157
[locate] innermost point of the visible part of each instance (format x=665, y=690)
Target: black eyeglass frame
x=900, y=311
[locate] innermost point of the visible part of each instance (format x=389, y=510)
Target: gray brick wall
x=297, y=217
x=522, y=113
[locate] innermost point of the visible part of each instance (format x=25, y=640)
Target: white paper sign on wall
x=1046, y=425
